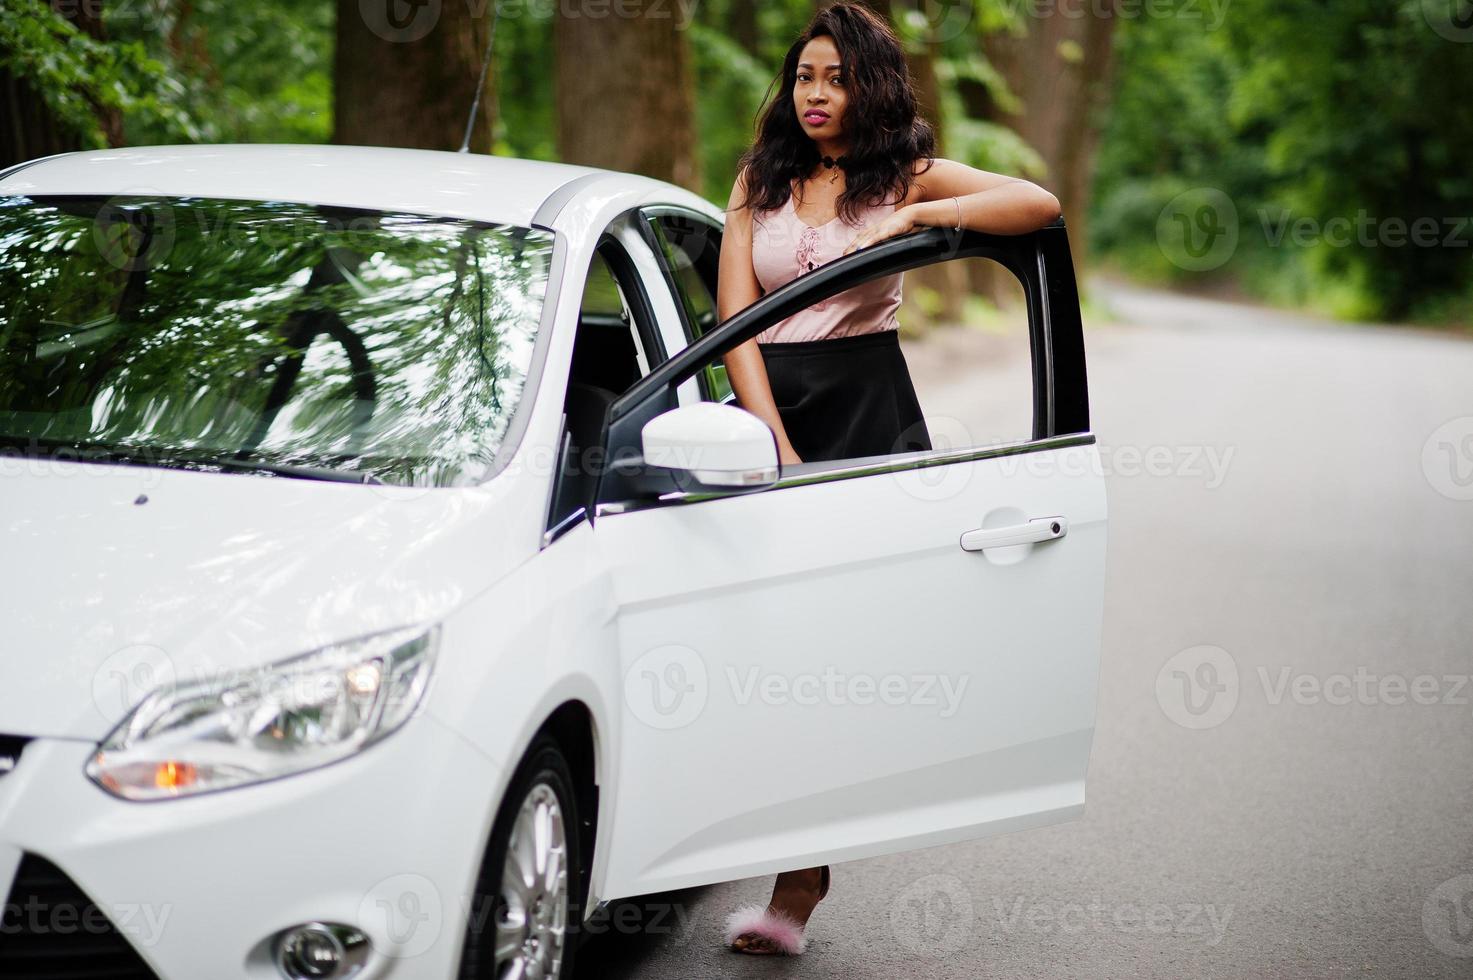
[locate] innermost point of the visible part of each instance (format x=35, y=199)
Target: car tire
x=538, y=922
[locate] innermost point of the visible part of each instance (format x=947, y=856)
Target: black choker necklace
x=831, y=163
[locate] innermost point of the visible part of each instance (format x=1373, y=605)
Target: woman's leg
x=794, y=895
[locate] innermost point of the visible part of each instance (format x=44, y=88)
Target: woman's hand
x=902, y=222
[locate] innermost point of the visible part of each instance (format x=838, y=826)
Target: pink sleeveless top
x=784, y=247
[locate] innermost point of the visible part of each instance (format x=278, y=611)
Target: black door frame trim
x=648, y=216
x=1040, y=260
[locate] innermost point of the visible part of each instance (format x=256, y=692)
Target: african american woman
x=842, y=160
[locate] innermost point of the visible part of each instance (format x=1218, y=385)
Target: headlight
x=272, y=721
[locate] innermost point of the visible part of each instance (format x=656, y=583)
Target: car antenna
x=470, y=124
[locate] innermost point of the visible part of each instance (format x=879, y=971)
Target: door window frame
x=646, y=325
x=707, y=268
x=1041, y=262
x=650, y=344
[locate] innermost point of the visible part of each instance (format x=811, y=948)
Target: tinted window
x=602, y=296
x=692, y=250
x=190, y=332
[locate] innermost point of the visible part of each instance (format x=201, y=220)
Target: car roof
x=497, y=189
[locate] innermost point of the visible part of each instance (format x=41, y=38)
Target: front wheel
x=519, y=926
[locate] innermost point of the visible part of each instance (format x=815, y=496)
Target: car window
x=601, y=292
x=999, y=361
x=268, y=337
x=612, y=349
x=691, y=248
x=964, y=337
x=608, y=352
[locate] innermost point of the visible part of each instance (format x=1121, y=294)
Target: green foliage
x=1316, y=123
x=730, y=93
x=733, y=85
x=980, y=142
x=80, y=78
x=1302, y=113
x=525, y=119
x=223, y=71
x=244, y=72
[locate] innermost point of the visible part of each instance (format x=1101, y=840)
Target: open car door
x=866, y=655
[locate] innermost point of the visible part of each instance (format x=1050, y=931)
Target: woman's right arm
x=736, y=289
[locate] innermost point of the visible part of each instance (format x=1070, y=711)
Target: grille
x=10, y=748
x=50, y=930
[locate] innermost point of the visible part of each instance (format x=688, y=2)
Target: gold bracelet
x=958, y=213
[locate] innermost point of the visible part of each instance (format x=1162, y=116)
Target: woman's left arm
x=985, y=202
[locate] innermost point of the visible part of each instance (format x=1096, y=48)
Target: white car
x=390, y=581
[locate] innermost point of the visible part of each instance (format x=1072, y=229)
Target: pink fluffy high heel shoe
x=781, y=931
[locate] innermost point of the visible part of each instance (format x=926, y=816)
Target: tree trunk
x=27, y=127
x=405, y=74
x=624, y=90
x=1061, y=72
x=743, y=27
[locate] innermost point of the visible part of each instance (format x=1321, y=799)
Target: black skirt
x=846, y=397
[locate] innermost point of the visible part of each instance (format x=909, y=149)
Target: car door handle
x=1036, y=530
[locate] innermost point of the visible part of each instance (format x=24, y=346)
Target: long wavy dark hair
x=882, y=120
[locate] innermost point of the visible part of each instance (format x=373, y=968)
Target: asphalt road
x=1282, y=776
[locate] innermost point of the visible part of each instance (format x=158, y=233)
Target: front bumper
x=388, y=841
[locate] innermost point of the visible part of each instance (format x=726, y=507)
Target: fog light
x=321, y=950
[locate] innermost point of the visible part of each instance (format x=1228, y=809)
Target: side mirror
x=712, y=446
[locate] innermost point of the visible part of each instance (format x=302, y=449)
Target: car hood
x=113, y=577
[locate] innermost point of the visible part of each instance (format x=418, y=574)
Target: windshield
x=264, y=337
